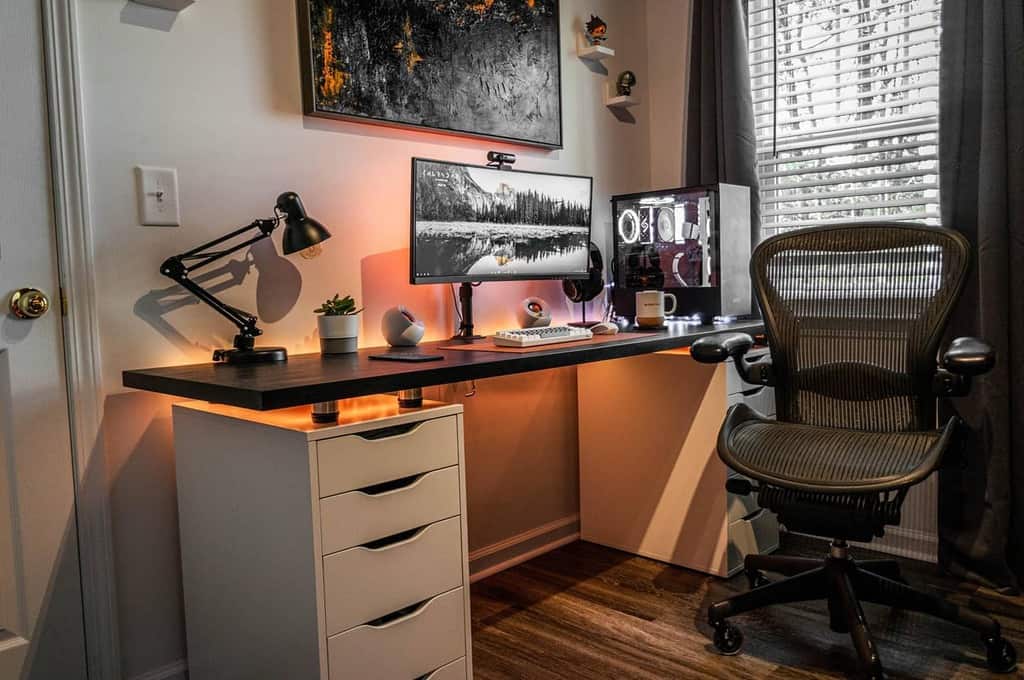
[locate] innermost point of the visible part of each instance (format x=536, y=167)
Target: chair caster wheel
x=1002, y=657
x=756, y=578
x=728, y=639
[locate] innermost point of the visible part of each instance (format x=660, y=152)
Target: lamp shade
x=300, y=230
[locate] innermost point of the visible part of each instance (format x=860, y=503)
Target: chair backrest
x=855, y=314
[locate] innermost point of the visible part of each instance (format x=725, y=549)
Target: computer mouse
x=604, y=328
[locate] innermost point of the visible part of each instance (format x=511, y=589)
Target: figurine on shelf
x=625, y=84
x=597, y=30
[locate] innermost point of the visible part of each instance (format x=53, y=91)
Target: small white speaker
x=401, y=328
x=533, y=312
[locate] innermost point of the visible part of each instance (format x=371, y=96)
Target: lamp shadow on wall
x=277, y=291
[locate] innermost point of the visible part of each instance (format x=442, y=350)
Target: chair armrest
x=714, y=349
x=965, y=359
x=969, y=356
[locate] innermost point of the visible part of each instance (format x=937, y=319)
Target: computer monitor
x=474, y=223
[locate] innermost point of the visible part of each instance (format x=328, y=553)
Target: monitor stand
x=466, y=333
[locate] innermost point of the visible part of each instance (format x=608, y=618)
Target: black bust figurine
x=625, y=84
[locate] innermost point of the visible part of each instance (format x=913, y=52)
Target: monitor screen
x=474, y=223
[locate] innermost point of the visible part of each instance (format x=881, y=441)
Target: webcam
x=497, y=159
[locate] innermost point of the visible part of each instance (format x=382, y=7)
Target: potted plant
x=339, y=325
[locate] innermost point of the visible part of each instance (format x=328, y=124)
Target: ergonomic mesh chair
x=854, y=316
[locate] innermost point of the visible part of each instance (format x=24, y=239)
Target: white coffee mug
x=650, y=308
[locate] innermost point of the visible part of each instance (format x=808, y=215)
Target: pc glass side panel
x=474, y=223
x=693, y=242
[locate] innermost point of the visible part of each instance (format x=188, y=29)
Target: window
x=846, y=110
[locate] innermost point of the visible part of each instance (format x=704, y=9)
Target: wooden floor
x=585, y=611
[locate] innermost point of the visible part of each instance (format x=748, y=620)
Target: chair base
x=844, y=583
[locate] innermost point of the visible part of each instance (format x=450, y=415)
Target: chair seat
x=811, y=458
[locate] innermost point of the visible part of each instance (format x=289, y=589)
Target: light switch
x=158, y=196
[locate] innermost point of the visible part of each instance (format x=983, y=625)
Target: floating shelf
x=173, y=5
x=616, y=101
x=584, y=50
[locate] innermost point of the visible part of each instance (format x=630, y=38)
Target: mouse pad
x=487, y=345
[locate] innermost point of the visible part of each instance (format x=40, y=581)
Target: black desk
x=310, y=378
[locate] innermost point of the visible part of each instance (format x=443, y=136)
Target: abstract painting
x=487, y=68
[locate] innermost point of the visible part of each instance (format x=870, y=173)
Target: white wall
x=668, y=36
x=218, y=98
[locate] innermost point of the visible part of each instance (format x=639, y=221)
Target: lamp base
x=256, y=355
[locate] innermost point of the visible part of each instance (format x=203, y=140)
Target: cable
x=455, y=301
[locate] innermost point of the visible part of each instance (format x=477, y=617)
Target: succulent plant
x=338, y=306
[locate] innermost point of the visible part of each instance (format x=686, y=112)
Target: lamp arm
x=175, y=268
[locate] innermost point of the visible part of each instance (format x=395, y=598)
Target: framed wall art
x=485, y=68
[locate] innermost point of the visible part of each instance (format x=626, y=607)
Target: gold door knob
x=29, y=303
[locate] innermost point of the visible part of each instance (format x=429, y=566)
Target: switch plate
x=158, y=196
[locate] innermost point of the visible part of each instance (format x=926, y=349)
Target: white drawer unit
x=367, y=582
x=359, y=517
x=324, y=552
x=456, y=670
x=386, y=453
x=427, y=639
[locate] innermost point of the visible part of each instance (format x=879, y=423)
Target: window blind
x=845, y=110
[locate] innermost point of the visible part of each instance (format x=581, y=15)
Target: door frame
x=74, y=238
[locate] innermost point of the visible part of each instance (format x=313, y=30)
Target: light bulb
x=311, y=253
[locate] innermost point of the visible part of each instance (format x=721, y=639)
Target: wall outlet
x=158, y=196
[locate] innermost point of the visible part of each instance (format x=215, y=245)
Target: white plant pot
x=338, y=334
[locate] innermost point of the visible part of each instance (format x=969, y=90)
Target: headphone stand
x=584, y=323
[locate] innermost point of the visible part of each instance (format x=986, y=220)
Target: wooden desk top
x=310, y=378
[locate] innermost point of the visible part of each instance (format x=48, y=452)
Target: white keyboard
x=532, y=337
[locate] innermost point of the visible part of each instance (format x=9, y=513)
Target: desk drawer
x=365, y=583
x=741, y=507
x=366, y=515
x=413, y=644
x=361, y=460
x=456, y=670
x=761, y=399
x=757, y=535
x=734, y=383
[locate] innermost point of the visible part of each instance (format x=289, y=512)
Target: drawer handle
x=395, y=541
x=754, y=392
x=755, y=515
x=385, y=488
x=401, y=616
x=390, y=432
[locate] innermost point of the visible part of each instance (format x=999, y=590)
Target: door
x=41, y=630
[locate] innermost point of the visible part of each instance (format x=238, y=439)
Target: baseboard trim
x=522, y=547
x=910, y=543
x=175, y=670
x=916, y=545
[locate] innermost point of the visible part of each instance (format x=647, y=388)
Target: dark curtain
x=981, y=150
x=720, y=141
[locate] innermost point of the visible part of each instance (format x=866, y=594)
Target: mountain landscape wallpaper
x=482, y=67
x=486, y=224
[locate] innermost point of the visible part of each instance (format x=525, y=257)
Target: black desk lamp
x=300, y=232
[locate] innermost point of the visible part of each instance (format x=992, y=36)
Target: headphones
x=587, y=289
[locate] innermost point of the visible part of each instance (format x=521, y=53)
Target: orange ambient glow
x=298, y=419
